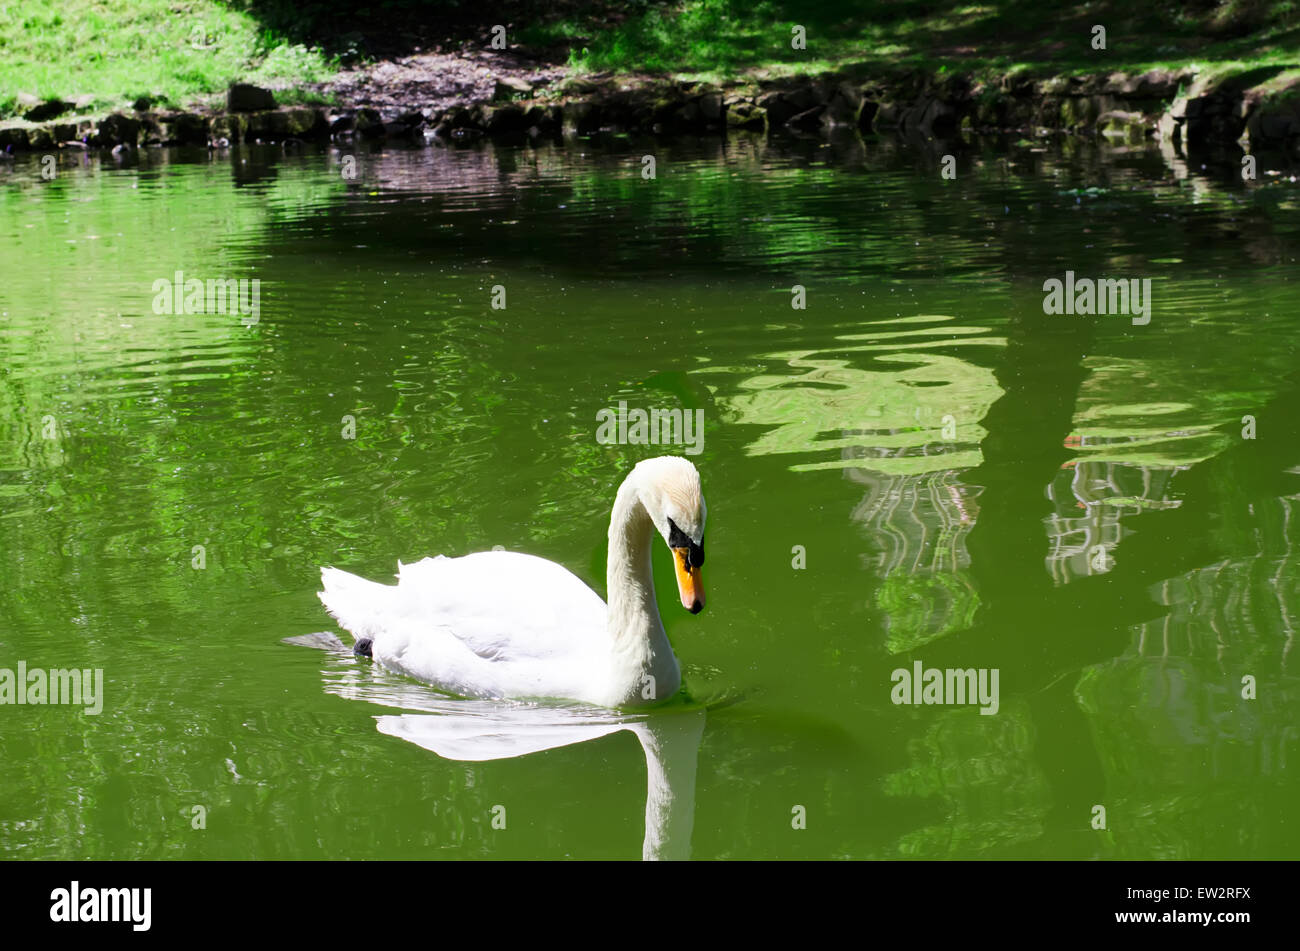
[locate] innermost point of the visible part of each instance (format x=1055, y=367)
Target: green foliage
x=725, y=36
x=113, y=51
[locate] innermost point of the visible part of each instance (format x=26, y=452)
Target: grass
x=725, y=38
x=185, y=53
x=108, y=53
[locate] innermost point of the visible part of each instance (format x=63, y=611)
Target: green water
x=963, y=481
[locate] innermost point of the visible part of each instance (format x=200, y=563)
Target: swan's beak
x=689, y=583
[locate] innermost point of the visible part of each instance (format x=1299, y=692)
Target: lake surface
x=920, y=466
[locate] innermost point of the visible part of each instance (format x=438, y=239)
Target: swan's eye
x=679, y=539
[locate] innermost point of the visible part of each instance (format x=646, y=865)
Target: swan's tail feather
x=357, y=604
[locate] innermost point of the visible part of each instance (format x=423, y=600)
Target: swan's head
x=669, y=487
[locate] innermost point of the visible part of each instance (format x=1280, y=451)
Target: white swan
x=504, y=625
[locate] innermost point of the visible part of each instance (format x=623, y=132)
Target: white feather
x=507, y=625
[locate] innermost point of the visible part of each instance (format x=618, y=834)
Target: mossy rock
x=232, y=127
x=269, y=126
x=1130, y=127
x=370, y=124
x=41, y=138
x=304, y=121
x=184, y=128
x=746, y=116
x=1079, y=112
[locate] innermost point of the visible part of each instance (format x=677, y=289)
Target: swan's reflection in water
x=480, y=730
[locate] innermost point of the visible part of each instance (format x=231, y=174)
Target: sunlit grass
x=728, y=37
x=118, y=50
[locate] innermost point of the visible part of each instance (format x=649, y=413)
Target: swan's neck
x=641, y=648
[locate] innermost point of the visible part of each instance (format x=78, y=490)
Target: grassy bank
x=108, y=53
x=105, y=54
x=726, y=37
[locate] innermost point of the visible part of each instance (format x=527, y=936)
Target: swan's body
x=502, y=624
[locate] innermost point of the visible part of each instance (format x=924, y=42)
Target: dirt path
x=434, y=81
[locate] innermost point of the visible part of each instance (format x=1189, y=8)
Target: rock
x=458, y=117
x=305, y=121
x=711, y=106
x=232, y=127
x=50, y=109
x=887, y=115
x=41, y=138
x=544, y=119
x=15, y=138
x=183, y=128
x=1048, y=114
x=688, y=114
x=1160, y=84
x=808, y=119
x=929, y=117
x=245, y=97
x=581, y=118
x=1019, y=85
x=1170, y=129
x=145, y=103
x=991, y=111
x=1131, y=127
x=1277, y=128
x=369, y=123
x=1079, y=112
x=510, y=88
x=844, y=107
x=744, y=115
x=780, y=108
x=507, y=118
x=269, y=126
x=117, y=129
x=867, y=116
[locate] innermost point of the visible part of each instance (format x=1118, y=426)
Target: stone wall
x=1258, y=110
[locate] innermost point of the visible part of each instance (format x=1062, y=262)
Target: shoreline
x=1255, y=110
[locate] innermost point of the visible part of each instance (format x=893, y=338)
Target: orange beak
x=689, y=583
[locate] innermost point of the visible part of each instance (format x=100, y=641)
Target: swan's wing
x=492, y=624
x=503, y=606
